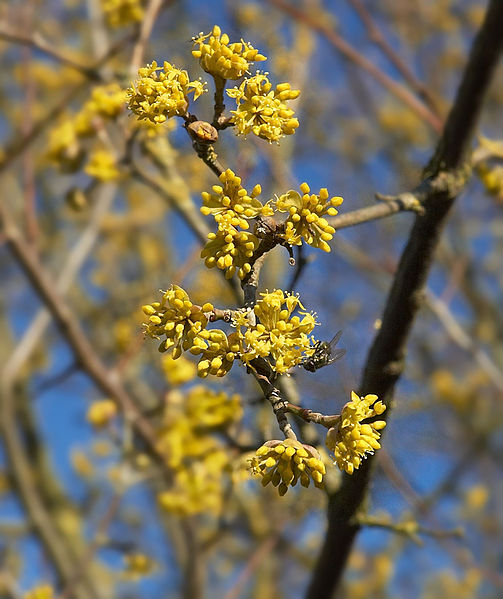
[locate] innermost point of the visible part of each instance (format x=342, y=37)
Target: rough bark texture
x=385, y=360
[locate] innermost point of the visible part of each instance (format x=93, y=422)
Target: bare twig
x=151, y=13
x=380, y=40
x=398, y=90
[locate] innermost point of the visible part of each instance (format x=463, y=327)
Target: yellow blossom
x=230, y=200
x=178, y=371
x=492, y=178
x=230, y=249
x=119, y=13
x=64, y=146
x=351, y=440
x=176, y=318
x=82, y=464
x=277, y=334
x=41, y=592
x=212, y=409
x=102, y=166
x=262, y=110
x=217, y=350
x=162, y=92
x=100, y=413
x=305, y=216
x=138, y=565
x=284, y=463
x=221, y=58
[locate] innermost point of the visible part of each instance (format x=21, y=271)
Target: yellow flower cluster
x=220, y=58
x=100, y=413
x=42, y=592
x=217, y=350
x=138, y=565
x=176, y=318
x=230, y=249
x=305, y=216
x=351, y=440
x=232, y=201
x=284, y=463
x=102, y=166
x=198, y=459
x=179, y=371
x=278, y=336
x=162, y=92
x=212, y=409
x=65, y=140
x=492, y=178
x=262, y=110
x=119, y=13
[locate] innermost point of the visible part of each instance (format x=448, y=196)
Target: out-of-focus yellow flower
x=278, y=335
x=119, y=13
x=219, y=57
x=100, y=413
x=64, y=146
x=262, y=110
x=178, y=371
x=212, y=409
x=82, y=464
x=492, y=178
x=138, y=565
x=196, y=490
x=305, y=216
x=232, y=201
x=102, y=166
x=218, y=351
x=41, y=592
x=65, y=140
x=351, y=440
x=162, y=92
x=230, y=249
x=176, y=318
x=284, y=463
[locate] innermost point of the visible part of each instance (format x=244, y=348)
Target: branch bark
x=385, y=360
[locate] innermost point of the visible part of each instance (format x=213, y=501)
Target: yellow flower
x=229, y=249
x=285, y=462
x=100, y=413
x=64, y=146
x=178, y=371
x=158, y=96
x=218, y=352
x=305, y=216
x=196, y=490
x=220, y=58
x=212, y=409
x=262, y=110
x=41, y=592
x=351, y=440
x=277, y=334
x=231, y=201
x=492, y=178
x=138, y=565
x=176, y=318
x=102, y=166
x=122, y=12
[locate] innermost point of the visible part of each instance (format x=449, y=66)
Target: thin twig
x=380, y=40
x=397, y=89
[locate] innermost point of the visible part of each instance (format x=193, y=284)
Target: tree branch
x=385, y=360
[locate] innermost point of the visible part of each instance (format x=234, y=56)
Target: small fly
x=325, y=353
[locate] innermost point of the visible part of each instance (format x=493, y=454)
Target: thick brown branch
x=386, y=357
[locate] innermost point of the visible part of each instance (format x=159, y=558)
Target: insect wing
x=336, y=355
x=335, y=339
